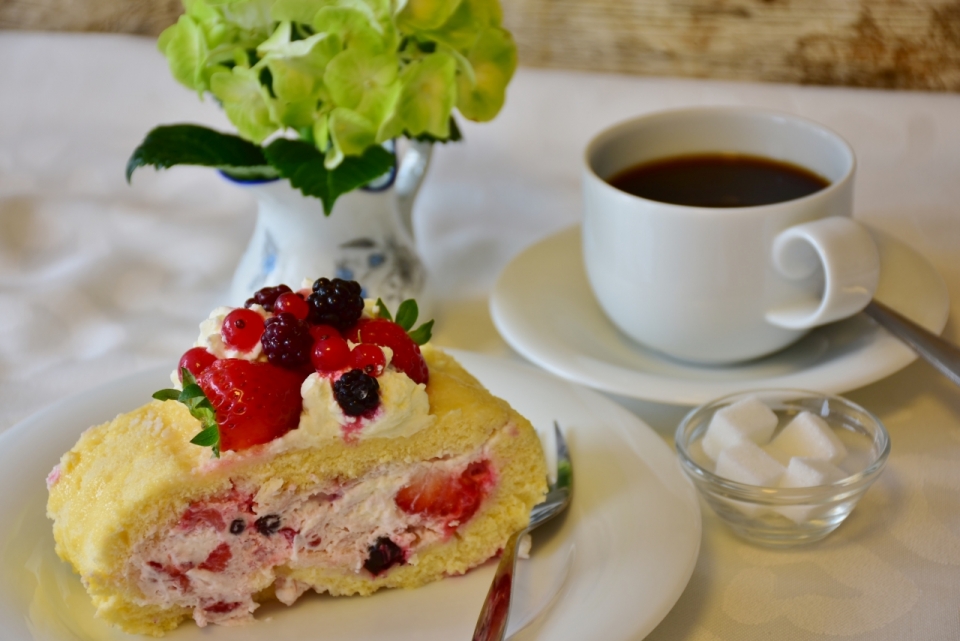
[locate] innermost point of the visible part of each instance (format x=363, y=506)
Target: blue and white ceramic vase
x=368, y=237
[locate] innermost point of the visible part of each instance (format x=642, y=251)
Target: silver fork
x=492, y=624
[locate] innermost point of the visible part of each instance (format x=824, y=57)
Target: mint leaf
x=209, y=436
x=200, y=408
x=382, y=311
x=167, y=395
x=170, y=145
x=422, y=334
x=407, y=314
x=302, y=164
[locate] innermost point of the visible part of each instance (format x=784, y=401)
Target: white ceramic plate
x=610, y=569
x=543, y=307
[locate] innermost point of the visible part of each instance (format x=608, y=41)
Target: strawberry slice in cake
x=314, y=441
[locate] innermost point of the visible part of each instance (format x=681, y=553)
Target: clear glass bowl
x=781, y=517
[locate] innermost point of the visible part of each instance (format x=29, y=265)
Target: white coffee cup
x=721, y=285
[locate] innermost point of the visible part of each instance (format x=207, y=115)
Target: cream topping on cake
x=404, y=406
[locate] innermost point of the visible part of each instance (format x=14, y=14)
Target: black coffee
x=718, y=180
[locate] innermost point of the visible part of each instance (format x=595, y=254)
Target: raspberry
x=357, y=393
x=330, y=354
x=335, y=302
x=286, y=341
x=267, y=296
x=292, y=303
x=383, y=555
x=242, y=329
x=369, y=358
x=195, y=360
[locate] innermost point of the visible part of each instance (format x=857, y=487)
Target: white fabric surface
x=99, y=279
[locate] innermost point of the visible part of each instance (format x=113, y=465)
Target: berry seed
x=267, y=525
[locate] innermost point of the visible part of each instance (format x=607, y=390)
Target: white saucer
x=610, y=568
x=543, y=307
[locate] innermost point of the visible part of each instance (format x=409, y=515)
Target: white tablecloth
x=99, y=279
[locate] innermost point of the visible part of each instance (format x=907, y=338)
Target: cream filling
x=332, y=526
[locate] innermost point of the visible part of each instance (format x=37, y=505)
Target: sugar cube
x=747, y=419
x=807, y=472
x=745, y=462
x=807, y=436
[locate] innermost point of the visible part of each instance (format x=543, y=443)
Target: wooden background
x=900, y=44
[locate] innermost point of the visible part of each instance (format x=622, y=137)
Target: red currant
x=292, y=304
x=323, y=332
x=195, y=360
x=242, y=329
x=331, y=354
x=369, y=358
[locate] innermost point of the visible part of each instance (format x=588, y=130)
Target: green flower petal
x=464, y=26
x=419, y=15
x=298, y=67
x=428, y=95
x=354, y=72
x=355, y=28
x=186, y=50
x=302, y=11
x=493, y=60
x=321, y=131
x=245, y=102
x=294, y=114
x=350, y=133
x=251, y=15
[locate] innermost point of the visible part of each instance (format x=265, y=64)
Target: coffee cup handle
x=851, y=270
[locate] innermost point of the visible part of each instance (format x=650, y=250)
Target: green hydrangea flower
x=342, y=76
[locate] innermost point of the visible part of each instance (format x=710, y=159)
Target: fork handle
x=938, y=352
x=492, y=623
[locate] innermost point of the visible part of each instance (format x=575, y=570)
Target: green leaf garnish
x=170, y=145
x=382, y=311
x=303, y=165
x=407, y=314
x=200, y=408
x=207, y=437
x=406, y=317
x=167, y=395
x=422, y=334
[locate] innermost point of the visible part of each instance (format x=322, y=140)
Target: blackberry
x=267, y=525
x=267, y=296
x=286, y=341
x=335, y=302
x=357, y=392
x=382, y=555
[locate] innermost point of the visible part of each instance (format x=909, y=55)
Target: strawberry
x=254, y=402
x=450, y=498
x=386, y=333
x=218, y=559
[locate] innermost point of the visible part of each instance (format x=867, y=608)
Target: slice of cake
x=313, y=445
